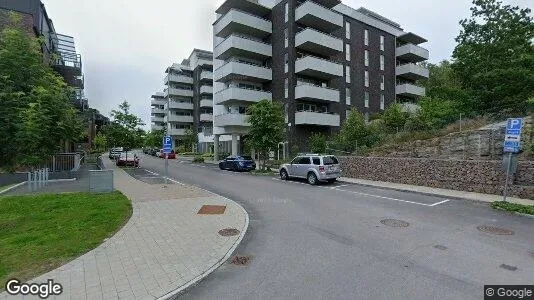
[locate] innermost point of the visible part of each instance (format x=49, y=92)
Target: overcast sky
x=126, y=45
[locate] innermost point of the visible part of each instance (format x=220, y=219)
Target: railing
x=311, y=84
x=241, y=11
x=241, y=62
x=317, y=57
x=243, y=37
x=65, y=162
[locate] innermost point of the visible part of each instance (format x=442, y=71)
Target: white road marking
x=153, y=173
x=371, y=195
x=436, y=204
x=172, y=180
x=144, y=177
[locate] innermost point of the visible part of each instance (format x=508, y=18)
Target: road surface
x=328, y=241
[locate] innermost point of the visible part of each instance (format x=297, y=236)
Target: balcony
x=410, y=90
x=205, y=62
x=206, y=103
x=206, y=76
x=252, y=7
x=178, y=79
x=231, y=120
x=234, y=70
x=176, y=132
x=178, y=92
x=157, y=119
x=158, y=102
x=206, y=89
x=239, y=95
x=318, y=42
x=206, y=117
x=160, y=111
x=179, y=119
x=155, y=127
x=317, y=93
x=236, y=21
x=412, y=72
x=180, y=105
x=318, y=67
x=316, y=16
x=236, y=45
x=316, y=118
x=412, y=53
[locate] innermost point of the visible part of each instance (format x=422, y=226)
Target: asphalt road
x=328, y=241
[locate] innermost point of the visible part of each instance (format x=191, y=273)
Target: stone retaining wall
x=481, y=176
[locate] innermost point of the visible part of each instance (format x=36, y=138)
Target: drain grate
x=395, y=223
x=495, y=230
x=228, y=232
x=212, y=210
x=440, y=247
x=508, y=267
x=241, y=260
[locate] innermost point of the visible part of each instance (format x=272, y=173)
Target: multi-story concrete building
x=318, y=58
x=187, y=100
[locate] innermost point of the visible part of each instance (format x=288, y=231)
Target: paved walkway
x=164, y=248
x=436, y=191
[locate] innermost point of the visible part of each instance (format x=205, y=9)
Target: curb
x=200, y=277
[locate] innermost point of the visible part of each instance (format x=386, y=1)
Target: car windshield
x=330, y=160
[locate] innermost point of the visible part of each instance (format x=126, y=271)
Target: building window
x=286, y=35
x=366, y=78
x=382, y=101
x=347, y=52
x=347, y=73
x=347, y=30
x=382, y=47
x=286, y=86
x=366, y=100
x=287, y=12
x=366, y=37
x=366, y=58
x=382, y=82
x=347, y=93
x=381, y=62
x=286, y=59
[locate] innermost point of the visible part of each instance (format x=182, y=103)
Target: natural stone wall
x=481, y=176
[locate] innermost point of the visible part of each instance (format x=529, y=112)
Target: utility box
x=101, y=181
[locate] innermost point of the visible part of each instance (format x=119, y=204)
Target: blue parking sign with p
x=512, y=139
x=167, y=144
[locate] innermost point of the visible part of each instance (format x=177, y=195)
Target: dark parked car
x=237, y=163
x=153, y=151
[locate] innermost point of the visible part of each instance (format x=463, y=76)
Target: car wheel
x=220, y=167
x=284, y=175
x=312, y=178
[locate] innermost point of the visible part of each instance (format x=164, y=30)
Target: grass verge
x=513, y=207
x=263, y=172
x=38, y=233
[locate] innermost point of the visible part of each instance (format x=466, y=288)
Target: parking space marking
x=337, y=188
x=153, y=173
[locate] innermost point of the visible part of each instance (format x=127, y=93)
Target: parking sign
x=167, y=144
x=512, y=139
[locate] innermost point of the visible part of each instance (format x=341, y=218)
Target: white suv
x=313, y=167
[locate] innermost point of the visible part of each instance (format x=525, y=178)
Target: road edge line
x=12, y=187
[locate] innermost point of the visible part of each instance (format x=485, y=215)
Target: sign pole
x=166, y=167
x=507, y=175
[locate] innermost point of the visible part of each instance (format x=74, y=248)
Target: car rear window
x=330, y=160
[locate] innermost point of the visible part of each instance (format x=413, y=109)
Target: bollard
x=47, y=174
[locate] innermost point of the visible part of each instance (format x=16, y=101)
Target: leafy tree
x=125, y=128
x=100, y=142
x=494, y=58
x=36, y=115
x=190, y=140
x=353, y=133
x=394, y=118
x=267, y=124
x=436, y=113
x=317, y=143
x=154, y=138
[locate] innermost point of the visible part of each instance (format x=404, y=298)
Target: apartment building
x=318, y=58
x=58, y=50
x=187, y=100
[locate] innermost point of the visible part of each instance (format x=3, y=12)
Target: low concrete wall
x=481, y=176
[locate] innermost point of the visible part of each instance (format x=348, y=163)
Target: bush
x=317, y=143
x=180, y=149
x=207, y=155
x=394, y=118
x=198, y=159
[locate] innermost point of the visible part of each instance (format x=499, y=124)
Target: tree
x=317, y=143
x=190, y=140
x=267, y=124
x=154, y=138
x=394, y=118
x=353, y=133
x=100, y=142
x=35, y=111
x=494, y=58
x=125, y=128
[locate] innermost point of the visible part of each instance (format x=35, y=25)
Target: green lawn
x=512, y=207
x=41, y=232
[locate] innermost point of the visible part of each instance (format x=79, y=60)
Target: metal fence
x=65, y=162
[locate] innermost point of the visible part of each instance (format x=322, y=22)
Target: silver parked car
x=312, y=167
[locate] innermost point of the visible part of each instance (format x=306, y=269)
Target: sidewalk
x=453, y=194
x=164, y=248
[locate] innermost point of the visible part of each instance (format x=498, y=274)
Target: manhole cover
x=495, y=230
x=228, y=232
x=440, y=247
x=212, y=210
x=241, y=260
x=508, y=267
x=395, y=223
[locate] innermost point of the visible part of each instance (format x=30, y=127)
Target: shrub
x=198, y=159
x=180, y=149
x=317, y=143
x=207, y=155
